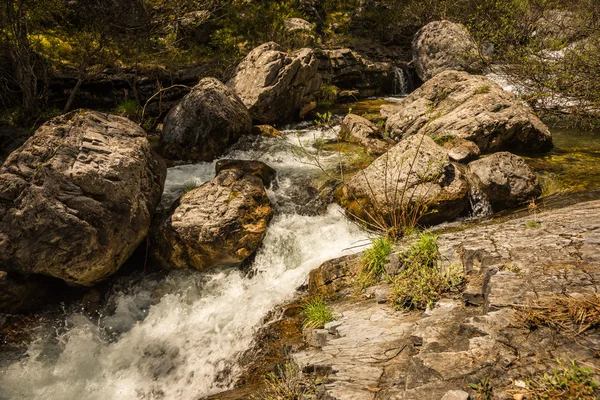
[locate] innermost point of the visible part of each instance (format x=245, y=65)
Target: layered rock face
x=357, y=129
x=274, y=85
x=78, y=197
x=205, y=123
x=220, y=223
x=505, y=179
x=458, y=105
x=443, y=45
x=414, y=173
x=349, y=70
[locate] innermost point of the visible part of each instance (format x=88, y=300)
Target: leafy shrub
x=316, y=313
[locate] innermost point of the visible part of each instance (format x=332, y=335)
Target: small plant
x=483, y=89
x=425, y=251
x=422, y=282
x=128, y=108
x=324, y=119
x=316, y=313
x=374, y=260
x=533, y=225
x=287, y=382
x=483, y=388
x=566, y=382
x=328, y=95
x=189, y=186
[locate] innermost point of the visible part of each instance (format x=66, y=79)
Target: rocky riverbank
x=487, y=334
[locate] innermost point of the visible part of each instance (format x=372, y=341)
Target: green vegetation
x=483, y=388
x=422, y=281
x=189, y=186
x=316, y=313
x=533, y=225
x=548, y=46
x=483, y=89
x=324, y=119
x=128, y=108
x=568, y=382
x=374, y=260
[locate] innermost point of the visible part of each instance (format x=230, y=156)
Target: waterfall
x=181, y=336
x=400, y=82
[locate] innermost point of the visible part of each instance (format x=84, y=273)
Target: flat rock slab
x=381, y=353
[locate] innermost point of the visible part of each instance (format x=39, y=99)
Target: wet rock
x=266, y=130
x=205, y=123
x=441, y=46
x=505, y=179
x=417, y=167
x=360, y=130
x=22, y=294
x=274, y=85
x=462, y=151
x=220, y=223
x=456, y=105
x=333, y=276
x=78, y=197
x=255, y=168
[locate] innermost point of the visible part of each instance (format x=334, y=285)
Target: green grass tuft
x=128, y=108
x=374, y=261
x=533, y=225
x=189, y=186
x=316, y=313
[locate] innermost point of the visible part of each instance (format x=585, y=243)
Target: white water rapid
x=179, y=336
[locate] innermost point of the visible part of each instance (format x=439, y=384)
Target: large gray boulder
x=78, y=197
x=416, y=172
x=275, y=85
x=221, y=223
x=443, y=45
x=356, y=129
x=205, y=123
x=457, y=105
x=505, y=180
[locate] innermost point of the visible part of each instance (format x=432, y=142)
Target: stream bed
x=178, y=335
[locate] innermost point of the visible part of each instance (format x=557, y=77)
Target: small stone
x=393, y=265
x=456, y=395
x=332, y=327
x=316, y=337
x=382, y=294
x=266, y=130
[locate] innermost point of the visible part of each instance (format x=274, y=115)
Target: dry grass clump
x=288, y=382
x=570, y=314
